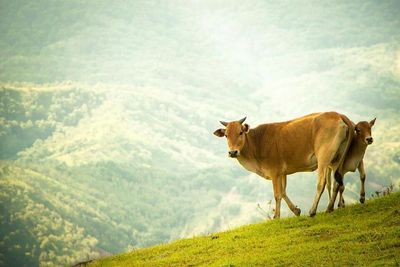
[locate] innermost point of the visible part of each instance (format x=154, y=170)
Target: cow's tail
x=328, y=183
x=349, y=137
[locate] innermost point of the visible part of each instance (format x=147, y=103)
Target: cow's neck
x=248, y=157
x=360, y=147
x=249, y=150
x=355, y=154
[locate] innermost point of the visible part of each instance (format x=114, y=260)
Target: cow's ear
x=371, y=123
x=246, y=128
x=220, y=132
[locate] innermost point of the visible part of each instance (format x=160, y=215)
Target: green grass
x=359, y=235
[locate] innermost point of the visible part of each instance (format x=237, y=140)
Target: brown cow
x=275, y=150
x=354, y=160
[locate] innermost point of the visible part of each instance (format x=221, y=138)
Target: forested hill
x=107, y=111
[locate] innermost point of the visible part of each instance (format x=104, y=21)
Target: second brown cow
x=354, y=160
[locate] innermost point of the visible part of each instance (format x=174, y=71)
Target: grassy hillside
x=359, y=235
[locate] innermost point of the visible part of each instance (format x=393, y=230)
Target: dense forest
x=107, y=112
x=84, y=176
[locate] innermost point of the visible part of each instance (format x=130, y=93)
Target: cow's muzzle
x=369, y=140
x=233, y=153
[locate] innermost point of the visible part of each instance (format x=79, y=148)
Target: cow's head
x=363, y=131
x=234, y=132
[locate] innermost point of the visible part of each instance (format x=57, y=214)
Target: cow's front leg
x=361, y=170
x=291, y=206
x=277, y=185
x=341, y=199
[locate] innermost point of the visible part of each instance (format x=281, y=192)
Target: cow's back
x=297, y=141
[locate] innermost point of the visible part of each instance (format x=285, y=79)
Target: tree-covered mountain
x=110, y=171
x=107, y=112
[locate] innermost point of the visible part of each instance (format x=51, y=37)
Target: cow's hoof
x=329, y=210
x=312, y=213
x=362, y=200
x=276, y=217
x=341, y=205
x=297, y=211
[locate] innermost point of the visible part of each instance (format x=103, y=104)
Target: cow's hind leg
x=291, y=206
x=361, y=170
x=335, y=155
x=333, y=198
x=322, y=173
x=325, y=156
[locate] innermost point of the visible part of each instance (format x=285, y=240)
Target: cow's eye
x=241, y=133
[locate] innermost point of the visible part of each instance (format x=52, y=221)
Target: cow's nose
x=369, y=140
x=233, y=153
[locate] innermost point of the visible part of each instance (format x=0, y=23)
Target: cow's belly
x=351, y=165
x=308, y=164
